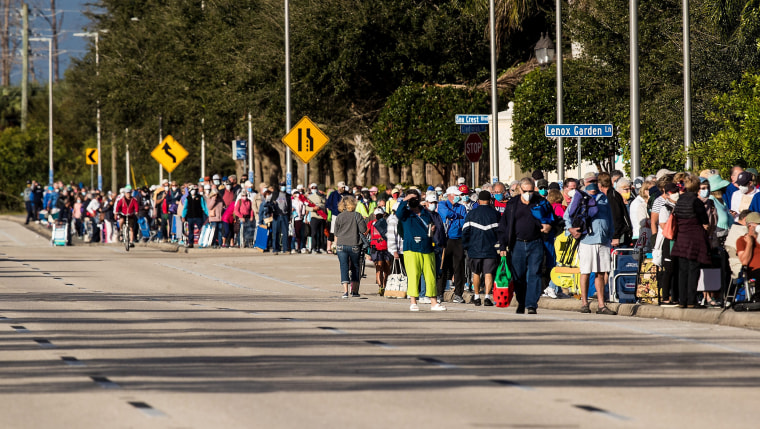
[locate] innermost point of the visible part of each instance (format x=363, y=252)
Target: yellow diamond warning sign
x=169, y=153
x=305, y=139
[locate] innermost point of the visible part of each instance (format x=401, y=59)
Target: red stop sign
x=473, y=147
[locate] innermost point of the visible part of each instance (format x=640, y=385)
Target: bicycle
x=125, y=231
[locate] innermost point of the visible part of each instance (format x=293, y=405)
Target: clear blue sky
x=74, y=21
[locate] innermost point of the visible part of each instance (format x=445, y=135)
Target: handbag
x=397, y=282
x=504, y=289
x=670, y=229
x=364, y=238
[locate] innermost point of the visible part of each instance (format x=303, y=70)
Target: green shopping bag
x=504, y=288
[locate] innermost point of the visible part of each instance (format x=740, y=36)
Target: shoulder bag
x=397, y=281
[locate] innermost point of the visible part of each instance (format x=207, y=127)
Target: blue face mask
x=457, y=199
x=465, y=198
x=282, y=189
x=543, y=192
x=249, y=189
x=498, y=197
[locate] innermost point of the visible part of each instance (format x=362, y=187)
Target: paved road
x=94, y=337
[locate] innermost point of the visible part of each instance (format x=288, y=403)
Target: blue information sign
x=471, y=119
x=579, y=130
x=475, y=128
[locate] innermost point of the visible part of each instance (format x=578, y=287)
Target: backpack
x=582, y=209
x=381, y=226
x=377, y=241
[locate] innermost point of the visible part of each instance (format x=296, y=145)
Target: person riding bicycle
x=127, y=207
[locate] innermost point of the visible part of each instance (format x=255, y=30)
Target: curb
x=712, y=316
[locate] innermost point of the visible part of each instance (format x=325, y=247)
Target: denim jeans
x=348, y=257
x=526, y=261
x=191, y=224
x=280, y=227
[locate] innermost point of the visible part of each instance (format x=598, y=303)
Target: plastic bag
x=504, y=289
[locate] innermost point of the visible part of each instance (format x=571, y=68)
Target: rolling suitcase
x=207, y=235
x=262, y=238
x=247, y=234
x=60, y=235
x=624, y=275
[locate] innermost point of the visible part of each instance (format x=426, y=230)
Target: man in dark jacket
x=620, y=217
x=282, y=207
x=520, y=230
x=480, y=241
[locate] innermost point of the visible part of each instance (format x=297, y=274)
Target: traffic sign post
x=305, y=140
x=169, y=153
x=578, y=131
x=91, y=158
x=473, y=149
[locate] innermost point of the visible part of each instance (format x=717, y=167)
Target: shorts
x=483, y=266
x=594, y=258
x=380, y=255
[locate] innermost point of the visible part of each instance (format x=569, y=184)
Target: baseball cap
x=744, y=178
x=207, y=187
x=453, y=190
x=460, y=181
x=216, y=177
x=542, y=183
x=753, y=217
x=663, y=172
x=589, y=175
x=431, y=197
x=379, y=211
x=464, y=189
x=313, y=185
x=373, y=189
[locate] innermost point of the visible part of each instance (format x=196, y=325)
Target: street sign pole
x=494, y=143
x=579, y=159
x=250, y=149
x=92, y=169
x=560, y=119
x=472, y=167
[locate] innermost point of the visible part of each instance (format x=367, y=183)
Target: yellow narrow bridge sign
x=305, y=139
x=169, y=153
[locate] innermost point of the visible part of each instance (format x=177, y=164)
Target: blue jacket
x=602, y=226
x=480, y=233
x=453, y=217
x=415, y=229
x=332, y=201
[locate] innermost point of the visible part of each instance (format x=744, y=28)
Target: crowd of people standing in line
x=456, y=235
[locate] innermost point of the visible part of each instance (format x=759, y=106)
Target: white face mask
x=228, y=187
x=193, y=192
x=674, y=197
x=216, y=182
x=432, y=207
x=571, y=193
x=757, y=229
x=743, y=189
x=704, y=193
x=526, y=196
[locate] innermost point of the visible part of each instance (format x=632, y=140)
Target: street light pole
x=494, y=97
x=289, y=176
x=50, y=103
x=634, y=72
x=686, y=85
x=558, y=56
x=250, y=148
x=96, y=35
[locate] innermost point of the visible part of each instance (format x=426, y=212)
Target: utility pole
x=560, y=119
x=289, y=174
x=686, y=86
x=494, y=97
x=250, y=148
x=635, y=115
x=24, y=65
x=113, y=162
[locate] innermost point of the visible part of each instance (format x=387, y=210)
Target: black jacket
x=620, y=216
x=480, y=233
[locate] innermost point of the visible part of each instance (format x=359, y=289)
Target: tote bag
x=397, y=281
x=504, y=288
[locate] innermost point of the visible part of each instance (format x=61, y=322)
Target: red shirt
x=125, y=208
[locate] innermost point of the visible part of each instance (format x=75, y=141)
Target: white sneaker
x=424, y=300
x=293, y=252
x=414, y=307
x=549, y=291
x=304, y=251
x=438, y=307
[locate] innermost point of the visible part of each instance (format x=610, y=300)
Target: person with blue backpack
x=589, y=219
x=526, y=218
x=453, y=213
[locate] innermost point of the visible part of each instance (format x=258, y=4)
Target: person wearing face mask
x=282, y=206
x=466, y=199
x=419, y=256
x=317, y=218
x=526, y=220
x=499, y=192
x=379, y=251
x=439, y=244
x=453, y=213
x=742, y=199
x=246, y=219
x=748, y=246
x=195, y=213
x=216, y=180
x=480, y=240
x=543, y=187
x=618, y=204
x=691, y=246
